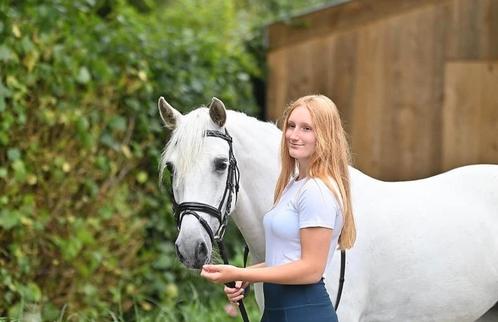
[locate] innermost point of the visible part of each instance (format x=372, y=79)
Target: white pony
x=426, y=250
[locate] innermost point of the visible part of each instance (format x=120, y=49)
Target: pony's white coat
x=426, y=250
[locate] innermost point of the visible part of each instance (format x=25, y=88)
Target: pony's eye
x=220, y=164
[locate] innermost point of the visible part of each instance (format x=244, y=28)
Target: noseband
x=231, y=186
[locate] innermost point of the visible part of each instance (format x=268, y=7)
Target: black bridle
x=191, y=208
x=231, y=187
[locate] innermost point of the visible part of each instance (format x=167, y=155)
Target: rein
x=232, y=186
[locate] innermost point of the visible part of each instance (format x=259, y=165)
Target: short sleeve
x=316, y=205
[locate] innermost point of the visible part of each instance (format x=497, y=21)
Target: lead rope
x=242, y=308
x=341, y=279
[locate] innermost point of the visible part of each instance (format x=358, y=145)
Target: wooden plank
x=398, y=95
x=470, y=114
x=341, y=74
x=472, y=30
x=320, y=66
x=368, y=102
x=336, y=18
x=278, y=76
x=413, y=71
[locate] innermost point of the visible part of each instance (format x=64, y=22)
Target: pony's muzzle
x=201, y=253
x=199, y=257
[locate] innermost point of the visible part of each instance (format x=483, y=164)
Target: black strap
x=201, y=220
x=341, y=278
x=242, y=308
x=246, y=254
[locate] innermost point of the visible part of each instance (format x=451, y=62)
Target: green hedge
x=84, y=226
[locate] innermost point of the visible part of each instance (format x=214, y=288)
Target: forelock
x=186, y=142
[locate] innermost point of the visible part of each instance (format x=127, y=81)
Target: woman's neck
x=303, y=170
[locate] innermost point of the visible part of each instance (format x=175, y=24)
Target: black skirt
x=297, y=303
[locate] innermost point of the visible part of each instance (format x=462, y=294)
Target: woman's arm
x=315, y=243
x=259, y=265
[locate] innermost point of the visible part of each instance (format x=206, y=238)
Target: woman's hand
x=220, y=273
x=237, y=293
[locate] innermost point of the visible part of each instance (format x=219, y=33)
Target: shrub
x=83, y=223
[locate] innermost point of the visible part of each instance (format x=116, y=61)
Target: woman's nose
x=293, y=135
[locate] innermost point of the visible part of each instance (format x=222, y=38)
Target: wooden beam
x=340, y=17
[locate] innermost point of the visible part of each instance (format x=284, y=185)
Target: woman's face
x=300, y=135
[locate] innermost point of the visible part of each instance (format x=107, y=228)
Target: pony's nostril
x=201, y=250
x=180, y=256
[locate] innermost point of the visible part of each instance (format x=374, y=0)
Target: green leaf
x=82, y=124
x=69, y=248
x=19, y=170
x=106, y=212
x=118, y=123
x=6, y=54
x=4, y=91
x=108, y=140
x=9, y=219
x=142, y=177
x=30, y=292
x=13, y=154
x=83, y=75
x=30, y=60
x=4, y=200
x=89, y=289
x=84, y=235
x=27, y=44
x=4, y=138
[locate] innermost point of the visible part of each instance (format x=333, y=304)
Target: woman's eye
x=307, y=128
x=291, y=126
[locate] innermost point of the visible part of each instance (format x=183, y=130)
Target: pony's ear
x=169, y=115
x=217, y=112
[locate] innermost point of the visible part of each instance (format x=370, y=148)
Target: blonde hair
x=330, y=159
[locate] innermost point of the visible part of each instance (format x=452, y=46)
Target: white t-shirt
x=304, y=203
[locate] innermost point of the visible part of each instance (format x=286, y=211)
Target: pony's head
x=204, y=177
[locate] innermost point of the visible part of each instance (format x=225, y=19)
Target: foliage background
x=86, y=231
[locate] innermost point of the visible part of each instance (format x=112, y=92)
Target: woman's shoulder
x=321, y=183
x=327, y=187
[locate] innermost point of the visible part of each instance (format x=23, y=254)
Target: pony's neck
x=256, y=148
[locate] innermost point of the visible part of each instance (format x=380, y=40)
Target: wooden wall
x=470, y=111
x=415, y=80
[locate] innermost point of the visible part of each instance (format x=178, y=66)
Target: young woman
x=311, y=216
